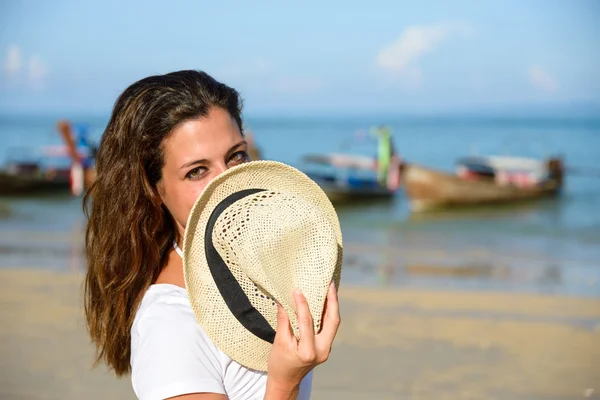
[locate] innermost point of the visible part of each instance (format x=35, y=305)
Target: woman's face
x=194, y=154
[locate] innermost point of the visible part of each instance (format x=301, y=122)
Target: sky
x=306, y=57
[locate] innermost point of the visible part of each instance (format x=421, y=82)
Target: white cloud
x=32, y=74
x=401, y=58
x=13, y=62
x=297, y=85
x=542, y=80
x=412, y=44
x=37, y=70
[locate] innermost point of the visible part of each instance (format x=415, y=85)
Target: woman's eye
x=196, y=173
x=240, y=156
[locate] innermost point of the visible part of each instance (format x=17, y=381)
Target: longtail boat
x=481, y=181
x=345, y=177
x=33, y=175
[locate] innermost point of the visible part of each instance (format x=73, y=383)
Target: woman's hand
x=290, y=359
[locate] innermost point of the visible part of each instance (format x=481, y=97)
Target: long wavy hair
x=129, y=231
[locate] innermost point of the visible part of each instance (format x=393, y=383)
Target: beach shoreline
x=393, y=343
x=409, y=260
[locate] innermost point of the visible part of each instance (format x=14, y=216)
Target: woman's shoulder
x=163, y=302
x=165, y=307
x=170, y=354
x=161, y=296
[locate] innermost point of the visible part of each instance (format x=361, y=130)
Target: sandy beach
x=393, y=344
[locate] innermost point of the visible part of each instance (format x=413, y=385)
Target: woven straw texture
x=273, y=241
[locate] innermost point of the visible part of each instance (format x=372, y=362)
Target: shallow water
x=548, y=246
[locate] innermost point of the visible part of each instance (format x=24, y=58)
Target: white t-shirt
x=171, y=355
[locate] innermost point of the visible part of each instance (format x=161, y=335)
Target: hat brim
x=212, y=313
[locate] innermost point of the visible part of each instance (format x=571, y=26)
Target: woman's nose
x=220, y=168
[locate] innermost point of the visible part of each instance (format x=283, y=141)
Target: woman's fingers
x=310, y=348
x=283, y=325
x=331, y=317
x=306, y=346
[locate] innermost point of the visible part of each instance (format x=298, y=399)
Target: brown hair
x=129, y=231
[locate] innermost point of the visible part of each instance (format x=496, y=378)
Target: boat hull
x=429, y=189
x=15, y=185
x=345, y=177
x=340, y=195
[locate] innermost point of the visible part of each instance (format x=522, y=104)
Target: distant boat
x=35, y=174
x=345, y=177
x=482, y=180
x=28, y=179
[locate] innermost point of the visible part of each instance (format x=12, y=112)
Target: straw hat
x=257, y=232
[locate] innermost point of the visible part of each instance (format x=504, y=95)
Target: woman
x=167, y=138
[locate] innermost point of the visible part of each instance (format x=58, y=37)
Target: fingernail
x=297, y=292
x=332, y=284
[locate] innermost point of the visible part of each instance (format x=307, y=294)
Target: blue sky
x=309, y=56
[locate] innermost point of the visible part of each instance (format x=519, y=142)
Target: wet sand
x=393, y=344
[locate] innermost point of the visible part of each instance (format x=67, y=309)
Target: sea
x=550, y=246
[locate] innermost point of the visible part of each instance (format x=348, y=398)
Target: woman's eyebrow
x=189, y=164
x=235, y=146
x=204, y=161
